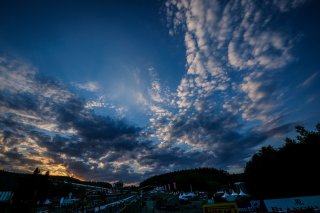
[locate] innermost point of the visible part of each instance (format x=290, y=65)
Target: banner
x=220, y=208
x=293, y=204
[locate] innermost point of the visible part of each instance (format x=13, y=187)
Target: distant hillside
x=10, y=180
x=74, y=180
x=202, y=179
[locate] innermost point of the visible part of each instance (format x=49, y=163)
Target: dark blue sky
x=110, y=90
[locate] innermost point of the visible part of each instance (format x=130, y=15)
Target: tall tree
x=286, y=171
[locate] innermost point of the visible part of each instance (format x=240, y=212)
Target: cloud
x=155, y=92
x=263, y=96
x=228, y=103
x=286, y=5
x=309, y=80
x=216, y=38
x=230, y=86
x=43, y=124
x=99, y=103
x=88, y=86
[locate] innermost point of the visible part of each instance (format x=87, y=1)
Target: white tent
x=232, y=197
x=225, y=195
x=242, y=193
x=47, y=202
x=234, y=193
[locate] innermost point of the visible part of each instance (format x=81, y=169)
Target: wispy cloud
x=309, y=80
x=286, y=5
x=90, y=86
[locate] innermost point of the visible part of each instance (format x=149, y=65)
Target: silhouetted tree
x=286, y=171
x=36, y=171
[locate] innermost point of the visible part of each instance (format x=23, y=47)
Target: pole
x=141, y=198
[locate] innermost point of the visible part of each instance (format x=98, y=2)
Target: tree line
x=200, y=179
x=288, y=171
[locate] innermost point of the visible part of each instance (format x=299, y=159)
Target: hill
x=9, y=181
x=200, y=179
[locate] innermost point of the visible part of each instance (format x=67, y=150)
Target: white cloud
x=233, y=57
x=263, y=49
x=99, y=103
x=17, y=77
x=309, y=80
x=90, y=86
x=252, y=87
x=287, y=5
x=221, y=39
x=155, y=91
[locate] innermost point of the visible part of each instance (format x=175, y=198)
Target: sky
x=123, y=90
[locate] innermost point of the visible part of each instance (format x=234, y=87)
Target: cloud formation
x=230, y=89
x=44, y=124
x=228, y=103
